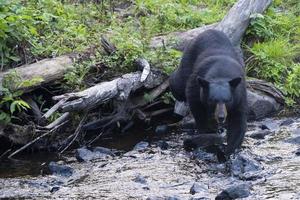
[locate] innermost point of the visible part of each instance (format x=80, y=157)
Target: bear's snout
x=220, y=113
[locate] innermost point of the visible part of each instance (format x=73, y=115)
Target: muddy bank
x=267, y=167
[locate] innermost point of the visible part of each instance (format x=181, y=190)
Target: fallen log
x=46, y=70
x=119, y=89
x=233, y=24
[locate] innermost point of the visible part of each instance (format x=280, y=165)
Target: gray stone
x=84, y=154
x=198, y=188
x=163, y=145
x=269, y=125
x=172, y=198
x=261, y=105
x=294, y=140
x=287, y=122
x=297, y=152
x=104, y=151
x=140, y=179
x=59, y=169
x=162, y=129
x=141, y=146
x=234, y=192
x=260, y=134
x=246, y=168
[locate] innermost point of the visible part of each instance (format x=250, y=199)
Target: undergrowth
x=35, y=29
x=273, y=41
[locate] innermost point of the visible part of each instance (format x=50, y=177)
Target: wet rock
x=163, y=145
x=104, y=151
x=162, y=129
x=141, y=146
x=54, y=189
x=261, y=105
x=172, y=198
x=202, y=155
x=146, y=188
x=297, y=152
x=294, y=140
x=246, y=168
x=297, y=131
x=199, y=188
x=287, y=122
x=155, y=198
x=270, y=125
x=83, y=154
x=234, y=192
x=260, y=134
x=59, y=169
x=140, y=179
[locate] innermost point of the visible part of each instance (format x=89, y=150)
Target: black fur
x=211, y=72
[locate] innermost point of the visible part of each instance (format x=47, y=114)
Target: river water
x=271, y=168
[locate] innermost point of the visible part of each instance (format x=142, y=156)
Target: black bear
x=211, y=79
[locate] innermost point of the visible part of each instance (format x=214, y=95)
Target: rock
x=141, y=146
x=198, y=188
x=246, y=168
x=294, y=140
x=234, y=192
x=270, y=125
x=188, y=122
x=199, y=198
x=172, y=198
x=297, y=131
x=260, y=134
x=297, y=152
x=54, y=189
x=287, y=122
x=104, y=151
x=261, y=105
x=140, y=179
x=83, y=154
x=162, y=129
x=163, y=145
x=146, y=188
x=202, y=155
x=59, y=169
x=155, y=198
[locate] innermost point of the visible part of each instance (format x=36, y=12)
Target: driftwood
x=119, y=88
x=47, y=70
x=233, y=24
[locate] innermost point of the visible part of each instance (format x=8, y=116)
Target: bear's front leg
x=237, y=125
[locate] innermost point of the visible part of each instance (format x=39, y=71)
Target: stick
x=58, y=121
x=54, y=108
x=33, y=141
x=76, y=133
x=6, y=152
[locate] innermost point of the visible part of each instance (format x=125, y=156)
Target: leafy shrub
x=274, y=53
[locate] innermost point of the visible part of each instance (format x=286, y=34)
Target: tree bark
x=119, y=88
x=48, y=70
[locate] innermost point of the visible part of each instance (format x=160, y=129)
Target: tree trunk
x=233, y=25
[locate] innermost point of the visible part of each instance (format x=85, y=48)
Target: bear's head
x=218, y=95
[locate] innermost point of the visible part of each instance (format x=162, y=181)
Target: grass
x=273, y=41
x=34, y=29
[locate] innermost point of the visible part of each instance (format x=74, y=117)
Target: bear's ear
x=202, y=82
x=234, y=82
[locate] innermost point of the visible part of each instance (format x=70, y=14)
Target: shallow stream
x=268, y=163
